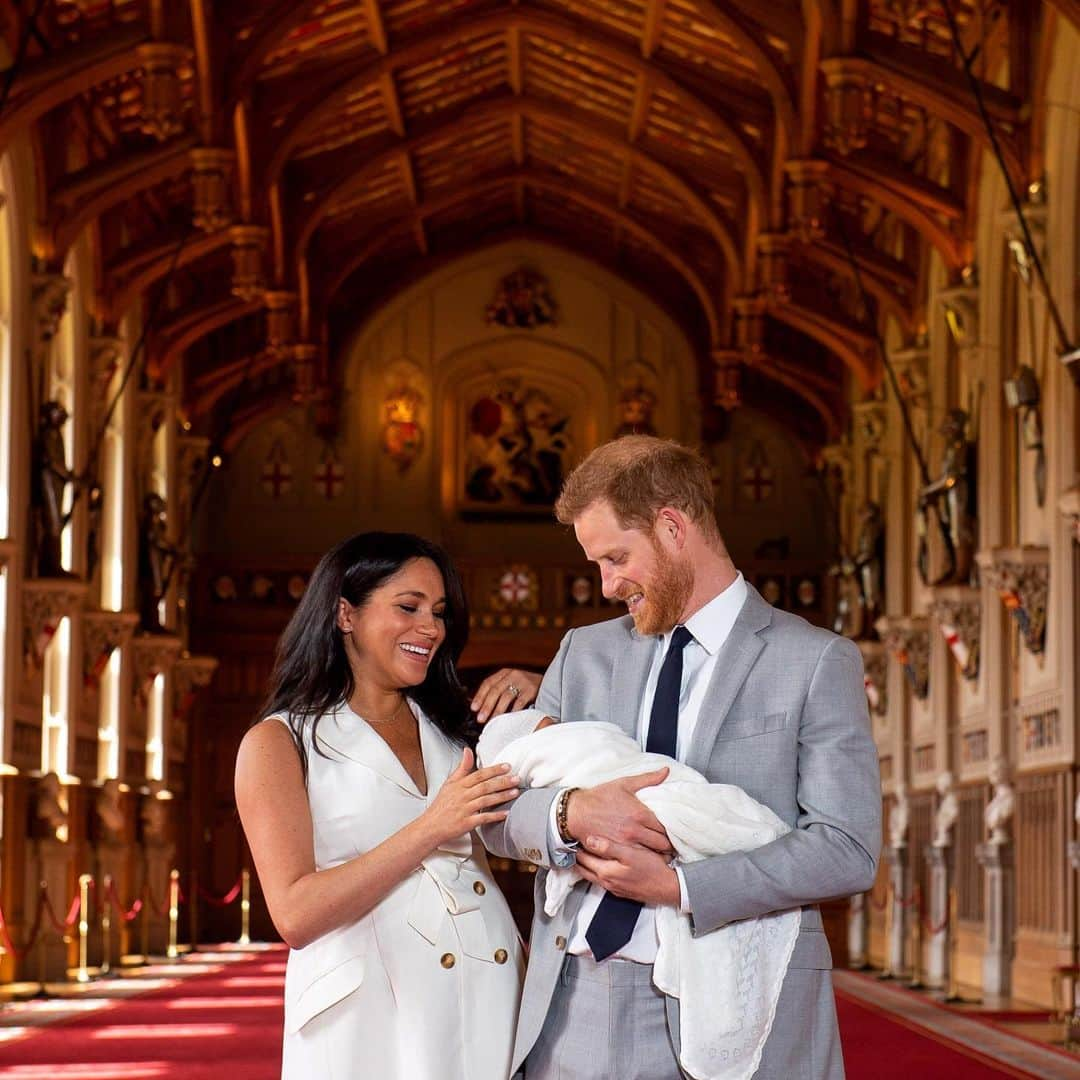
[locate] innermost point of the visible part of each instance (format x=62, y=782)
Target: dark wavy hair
x=312, y=676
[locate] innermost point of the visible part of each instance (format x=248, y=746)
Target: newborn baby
x=727, y=981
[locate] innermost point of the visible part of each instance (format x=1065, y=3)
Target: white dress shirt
x=710, y=626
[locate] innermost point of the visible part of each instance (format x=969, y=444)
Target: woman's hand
x=506, y=689
x=465, y=801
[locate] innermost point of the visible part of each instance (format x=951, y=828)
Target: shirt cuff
x=562, y=854
x=684, y=898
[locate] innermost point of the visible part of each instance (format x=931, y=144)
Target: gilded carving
x=1021, y=577
x=907, y=638
x=211, y=168
x=103, y=632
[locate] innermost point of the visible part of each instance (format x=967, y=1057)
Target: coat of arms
x=522, y=302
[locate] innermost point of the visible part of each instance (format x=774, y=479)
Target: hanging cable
x=976, y=89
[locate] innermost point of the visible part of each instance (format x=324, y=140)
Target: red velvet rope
x=131, y=913
x=20, y=951
x=73, y=913
x=222, y=901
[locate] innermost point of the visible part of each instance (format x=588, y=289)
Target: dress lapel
x=351, y=736
x=737, y=656
x=629, y=674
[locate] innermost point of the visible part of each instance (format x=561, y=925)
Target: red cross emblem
x=277, y=478
x=329, y=478
x=758, y=482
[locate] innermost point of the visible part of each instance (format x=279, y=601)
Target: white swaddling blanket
x=727, y=981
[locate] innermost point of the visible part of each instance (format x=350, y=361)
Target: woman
x=359, y=801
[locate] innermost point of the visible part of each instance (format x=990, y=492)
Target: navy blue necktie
x=613, y=924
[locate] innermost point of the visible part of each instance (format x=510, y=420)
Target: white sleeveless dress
x=427, y=984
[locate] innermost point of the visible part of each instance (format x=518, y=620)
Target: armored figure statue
x=155, y=560
x=953, y=496
x=999, y=810
x=870, y=563
x=51, y=477
x=948, y=810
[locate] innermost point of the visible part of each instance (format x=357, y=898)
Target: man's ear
x=344, y=615
x=671, y=528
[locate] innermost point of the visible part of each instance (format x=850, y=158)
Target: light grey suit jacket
x=785, y=719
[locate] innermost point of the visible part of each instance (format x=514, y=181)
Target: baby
x=727, y=981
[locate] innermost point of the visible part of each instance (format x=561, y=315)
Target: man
x=704, y=670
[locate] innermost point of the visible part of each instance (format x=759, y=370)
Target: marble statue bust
x=899, y=818
x=948, y=810
x=999, y=810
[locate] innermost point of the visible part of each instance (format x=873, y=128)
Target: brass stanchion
x=915, y=940
x=106, y=925
x=193, y=910
x=245, y=907
x=174, y=912
x=82, y=975
x=144, y=922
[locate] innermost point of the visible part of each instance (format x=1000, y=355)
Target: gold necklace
x=393, y=716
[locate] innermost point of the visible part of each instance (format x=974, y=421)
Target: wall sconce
x=1022, y=392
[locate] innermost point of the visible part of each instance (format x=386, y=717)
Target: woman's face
x=393, y=638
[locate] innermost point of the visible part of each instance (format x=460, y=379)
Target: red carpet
x=225, y=1024
x=877, y=1047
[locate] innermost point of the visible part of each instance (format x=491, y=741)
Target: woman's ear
x=344, y=615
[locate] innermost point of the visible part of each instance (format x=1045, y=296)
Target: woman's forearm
x=323, y=900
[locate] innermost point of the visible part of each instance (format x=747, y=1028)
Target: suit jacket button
x=478, y=888
x=447, y=960
x=560, y=942
x=500, y=956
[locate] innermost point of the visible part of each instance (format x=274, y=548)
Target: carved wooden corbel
x=162, y=95
x=1021, y=577
x=727, y=368
x=807, y=198
x=152, y=655
x=280, y=319
x=211, y=170
x=45, y=601
x=907, y=638
x=958, y=610
x=248, y=244
x=103, y=633
x=773, y=254
x=847, y=106
x=49, y=297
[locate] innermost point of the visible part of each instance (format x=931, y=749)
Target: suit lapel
x=629, y=674
x=736, y=659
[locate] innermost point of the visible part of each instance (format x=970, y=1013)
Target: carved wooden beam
x=653, y=28
x=851, y=345
x=376, y=27
x=174, y=338
x=87, y=194
x=708, y=216
x=325, y=101
x=564, y=189
x=54, y=78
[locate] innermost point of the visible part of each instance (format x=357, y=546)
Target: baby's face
x=546, y=722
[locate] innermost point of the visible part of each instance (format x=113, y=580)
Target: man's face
x=637, y=567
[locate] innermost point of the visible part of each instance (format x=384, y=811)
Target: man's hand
x=612, y=811
x=505, y=689
x=629, y=870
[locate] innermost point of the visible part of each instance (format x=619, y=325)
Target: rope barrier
x=222, y=901
x=131, y=913
x=61, y=927
x=19, y=951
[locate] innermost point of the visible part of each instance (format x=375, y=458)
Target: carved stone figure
x=154, y=815
x=50, y=807
x=899, y=818
x=999, y=810
x=110, y=812
x=953, y=495
x=948, y=810
x=870, y=562
x=51, y=477
x=155, y=559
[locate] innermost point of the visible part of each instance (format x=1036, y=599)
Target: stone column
x=997, y=861
x=937, y=971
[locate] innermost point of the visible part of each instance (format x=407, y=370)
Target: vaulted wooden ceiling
x=285, y=166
